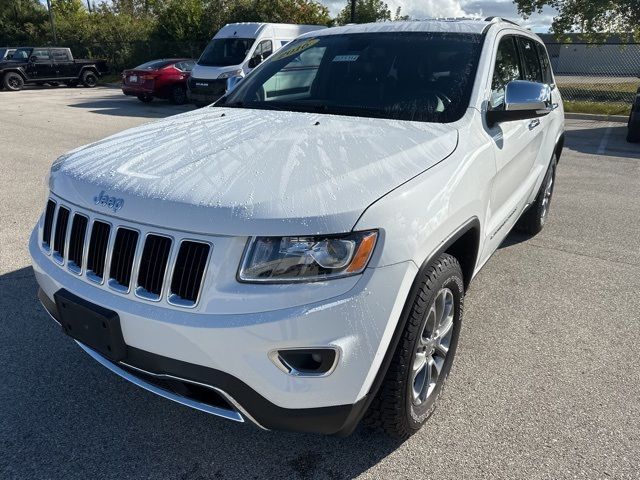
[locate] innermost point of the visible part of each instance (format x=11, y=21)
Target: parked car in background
x=234, y=51
x=297, y=255
x=164, y=78
x=53, y=65
x=6, y=53
x=633, y=126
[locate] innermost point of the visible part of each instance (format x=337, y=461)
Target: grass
x=601, y=108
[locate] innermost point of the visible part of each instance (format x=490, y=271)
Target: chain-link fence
x=596, y=77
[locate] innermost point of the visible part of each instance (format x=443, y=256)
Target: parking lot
x=546, y=382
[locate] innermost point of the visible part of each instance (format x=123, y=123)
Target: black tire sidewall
x=9, y=75
x=418, y=415
x=85, y=79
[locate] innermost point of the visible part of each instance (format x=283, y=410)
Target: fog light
x=305, y=362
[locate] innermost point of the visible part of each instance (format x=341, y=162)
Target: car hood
x=245, y=172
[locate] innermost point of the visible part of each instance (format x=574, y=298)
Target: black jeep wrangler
x=52, y=65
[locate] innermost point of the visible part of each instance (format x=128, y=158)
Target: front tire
x=13, y=81
x=532, y=221
x=89, y=79
x=424, y=356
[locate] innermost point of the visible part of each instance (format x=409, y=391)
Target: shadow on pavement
x=127, y=106
x=65, y=416
x=602, y=140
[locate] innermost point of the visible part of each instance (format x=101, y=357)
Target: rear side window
x=547, y=76
x=507, y=68
x=60, y=55
x=530, y=61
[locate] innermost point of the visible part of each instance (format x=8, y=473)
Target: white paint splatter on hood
x=236, y=171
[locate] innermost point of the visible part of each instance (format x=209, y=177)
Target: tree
x=22, y=22
x=367, y=11
x=588, y=16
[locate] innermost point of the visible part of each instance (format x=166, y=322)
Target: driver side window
x=507, y=68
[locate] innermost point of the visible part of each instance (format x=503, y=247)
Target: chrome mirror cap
x=525, y=95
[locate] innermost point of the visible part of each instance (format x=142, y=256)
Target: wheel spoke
x=419, y=362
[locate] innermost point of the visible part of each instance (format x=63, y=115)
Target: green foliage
x=22, y=21
x=588, y=16
x=367, y=11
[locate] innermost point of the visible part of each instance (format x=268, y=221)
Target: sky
x=460, y=8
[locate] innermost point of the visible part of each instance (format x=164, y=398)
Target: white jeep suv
x=297, y=254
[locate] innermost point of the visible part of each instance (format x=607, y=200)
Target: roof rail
x=500, y=19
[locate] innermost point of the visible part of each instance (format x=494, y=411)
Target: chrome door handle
x=533, y=124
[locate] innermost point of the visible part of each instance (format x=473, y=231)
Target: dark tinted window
x=547, y=76
x=223, y=52
x=60, y=55
x=507, y=68
x=22, y=54
x=407, y=76
x=154, y=65
x=530, y=61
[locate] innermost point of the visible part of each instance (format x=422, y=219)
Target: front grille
x=115, y=258
x=60, y=234
x=153, y=264
x=214, y=88
x=98, y=250
x=187, y=274
x=76, y=242
x=48, y=223
x=122, y=256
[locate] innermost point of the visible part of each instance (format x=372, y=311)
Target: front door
x=40, y=65
x=516, y=146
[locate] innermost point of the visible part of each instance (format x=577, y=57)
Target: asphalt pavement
x=546, y=382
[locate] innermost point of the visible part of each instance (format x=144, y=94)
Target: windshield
x=224, y=52
x=408, y=76
x=22, y=54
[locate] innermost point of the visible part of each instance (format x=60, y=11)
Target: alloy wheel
x=433, y=346
x=546, y=198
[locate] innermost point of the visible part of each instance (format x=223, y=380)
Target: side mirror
x=33, y=59
x=522, y=100
x=255, y=61
x=232, y=82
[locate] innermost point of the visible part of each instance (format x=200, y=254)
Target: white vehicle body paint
x=223, y=175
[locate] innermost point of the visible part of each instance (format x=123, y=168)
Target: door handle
x=554, y=106
x=533, y=124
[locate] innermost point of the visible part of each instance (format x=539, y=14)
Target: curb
x=596, y=117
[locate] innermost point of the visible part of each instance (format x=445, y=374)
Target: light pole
x=53, y=23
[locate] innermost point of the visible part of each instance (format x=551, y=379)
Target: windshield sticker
x=345, y=58
x=294, y=49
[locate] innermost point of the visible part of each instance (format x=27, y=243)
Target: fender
x=17, y=70
x=363, y=404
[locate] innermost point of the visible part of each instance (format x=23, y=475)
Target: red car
x=164, y=78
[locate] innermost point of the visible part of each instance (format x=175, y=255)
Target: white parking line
x=605, y=139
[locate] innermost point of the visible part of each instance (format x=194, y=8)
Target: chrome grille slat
x=60, y=234
x=131, y=259
x=48, y=224
x=76, y=242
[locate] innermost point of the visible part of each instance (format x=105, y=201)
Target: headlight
x=306, y=259
x=232, y=73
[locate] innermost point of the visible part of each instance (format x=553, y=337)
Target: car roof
x=452, y=25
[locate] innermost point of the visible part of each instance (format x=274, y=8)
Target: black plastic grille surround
x=153, y=264
x=98, y=248
x=188, y=271
x=122, y=256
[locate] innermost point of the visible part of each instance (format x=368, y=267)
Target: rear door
x=516, y=145
x=62, y=63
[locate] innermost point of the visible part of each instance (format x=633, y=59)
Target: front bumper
x=229, y=352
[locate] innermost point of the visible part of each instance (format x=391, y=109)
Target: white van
x=234, y=51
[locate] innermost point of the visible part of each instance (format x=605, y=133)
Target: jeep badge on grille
x=111, y=203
